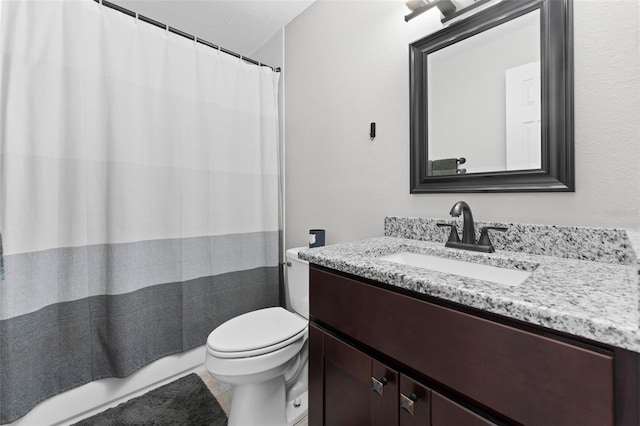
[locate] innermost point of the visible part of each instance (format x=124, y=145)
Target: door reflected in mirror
x=483, y=106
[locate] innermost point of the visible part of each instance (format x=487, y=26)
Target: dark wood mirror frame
x=557, y=133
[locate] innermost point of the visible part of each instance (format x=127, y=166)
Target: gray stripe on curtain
x=38, y=279
x=72, y=343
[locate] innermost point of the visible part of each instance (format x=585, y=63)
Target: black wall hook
x=372, y=131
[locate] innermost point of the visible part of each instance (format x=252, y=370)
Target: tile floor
x=224, y=392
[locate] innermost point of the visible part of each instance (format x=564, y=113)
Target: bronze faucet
x=468, y=231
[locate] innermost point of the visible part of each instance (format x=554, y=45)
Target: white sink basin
x=512, y=277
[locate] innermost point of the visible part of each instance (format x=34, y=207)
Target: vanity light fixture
x=447, y=8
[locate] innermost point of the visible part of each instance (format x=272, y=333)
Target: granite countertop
x=595, y=299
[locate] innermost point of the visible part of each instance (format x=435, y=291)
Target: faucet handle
x=453, y=235
x=484, y=236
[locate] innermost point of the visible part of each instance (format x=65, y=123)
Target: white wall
x=272, y=51
x=347, y=65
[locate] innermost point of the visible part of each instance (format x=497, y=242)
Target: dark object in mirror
x=553, y=168
x=445, y=166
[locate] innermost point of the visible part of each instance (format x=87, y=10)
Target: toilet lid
x=255, y=330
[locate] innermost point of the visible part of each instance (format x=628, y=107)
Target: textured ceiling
x=238, y=25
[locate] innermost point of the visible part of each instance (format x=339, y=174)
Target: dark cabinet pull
x=407, y=402
x=378, y=385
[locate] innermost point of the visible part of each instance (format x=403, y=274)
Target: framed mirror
x=492, y=101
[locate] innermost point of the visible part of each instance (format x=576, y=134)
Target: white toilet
x=264, y=355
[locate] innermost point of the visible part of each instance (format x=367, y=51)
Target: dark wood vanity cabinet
x=350, y=388
x=454, y=368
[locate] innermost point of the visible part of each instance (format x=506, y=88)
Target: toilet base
x=259, y=404
x=296, y=412
x=263, y=404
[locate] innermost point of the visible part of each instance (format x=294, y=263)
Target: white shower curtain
x=138, y=195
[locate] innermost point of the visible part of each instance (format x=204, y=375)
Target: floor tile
x=214, y=386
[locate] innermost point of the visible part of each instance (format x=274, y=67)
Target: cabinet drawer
x=531, y=379
x=445, y=412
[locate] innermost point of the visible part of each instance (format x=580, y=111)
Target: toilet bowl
x=263, y=354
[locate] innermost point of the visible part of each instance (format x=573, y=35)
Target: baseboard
x=86, y=400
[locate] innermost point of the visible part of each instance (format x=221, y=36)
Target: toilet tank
x=297, y=283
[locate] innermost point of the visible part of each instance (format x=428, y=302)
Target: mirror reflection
x=483, y=103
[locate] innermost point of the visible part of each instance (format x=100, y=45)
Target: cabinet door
x=316, y=376
x=384, y=399
x=356, y=390
x=347, y=382
x=445, y=412
x=415, y=403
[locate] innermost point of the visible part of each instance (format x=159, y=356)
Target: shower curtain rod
x=182, y=33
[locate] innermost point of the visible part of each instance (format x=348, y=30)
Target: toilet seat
x=256, y=333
